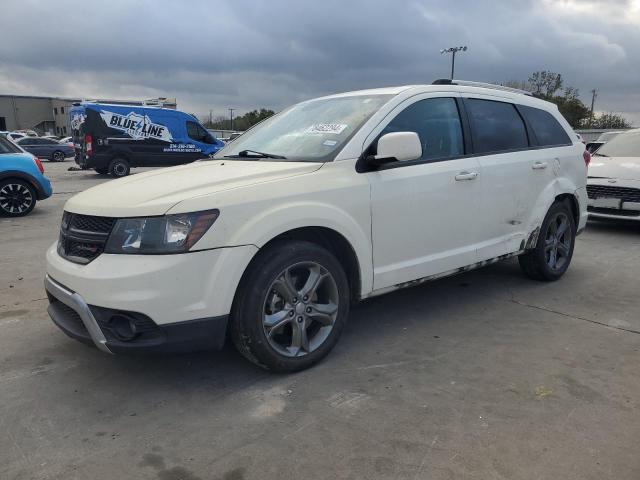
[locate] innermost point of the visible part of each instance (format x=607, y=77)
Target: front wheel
x=291, y=307
x=17, y=198
x=554, y=248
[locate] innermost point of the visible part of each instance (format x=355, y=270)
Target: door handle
x=466, y=176
x=539, y=165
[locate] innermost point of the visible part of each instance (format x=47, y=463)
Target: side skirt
x=448, y=273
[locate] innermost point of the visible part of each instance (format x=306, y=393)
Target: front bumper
x=94, y=325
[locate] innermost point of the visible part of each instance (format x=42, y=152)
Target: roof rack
x=467, y=83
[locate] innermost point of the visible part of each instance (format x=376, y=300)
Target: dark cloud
x=250, y=53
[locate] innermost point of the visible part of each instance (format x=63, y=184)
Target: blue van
x=114, y=138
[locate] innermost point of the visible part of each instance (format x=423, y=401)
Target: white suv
x=328, y=202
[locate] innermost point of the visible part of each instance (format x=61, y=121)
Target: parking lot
x=482, y=375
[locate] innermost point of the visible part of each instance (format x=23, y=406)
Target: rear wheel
x=119, y=167
x=291, y=307
x=554, y=248
x=58, y=156
x=17, y=198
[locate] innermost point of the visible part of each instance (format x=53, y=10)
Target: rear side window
x=546, y=128
x=497, y=126
x=7, y=147
x=437, y=123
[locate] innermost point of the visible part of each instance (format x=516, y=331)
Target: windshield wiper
x=255, y=154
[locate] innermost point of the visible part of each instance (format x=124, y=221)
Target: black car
x=46, y=148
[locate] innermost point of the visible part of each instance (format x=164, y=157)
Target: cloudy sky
x=256, y=53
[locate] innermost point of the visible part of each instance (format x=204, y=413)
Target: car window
x=26, y=141
x=437, y=123
x=7, y=146
x=195, y=132
x=623, y=145
x=497, y=126
x=546, y=128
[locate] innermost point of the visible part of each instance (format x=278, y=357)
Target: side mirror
x=400, y=146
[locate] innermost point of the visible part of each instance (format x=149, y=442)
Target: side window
x=194, y=131
x=546, y=128
x=497, y=126
x=437, y=123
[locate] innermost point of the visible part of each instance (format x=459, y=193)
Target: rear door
x=513, y=173
x=425, y=212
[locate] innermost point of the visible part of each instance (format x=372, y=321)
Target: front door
x=425, y=212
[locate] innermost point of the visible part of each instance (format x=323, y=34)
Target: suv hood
x=155, y=192
x=623, y=168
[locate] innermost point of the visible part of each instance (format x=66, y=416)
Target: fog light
x=123, y=327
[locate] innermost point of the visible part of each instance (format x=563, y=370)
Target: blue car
x=22, y=182
x=46, y=148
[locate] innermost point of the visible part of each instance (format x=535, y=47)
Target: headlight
x=157, y=235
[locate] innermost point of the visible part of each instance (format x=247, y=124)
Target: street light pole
x=231, y=114
x=453, y=51
x=594, y=94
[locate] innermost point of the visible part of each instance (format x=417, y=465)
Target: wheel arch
x=332, y=241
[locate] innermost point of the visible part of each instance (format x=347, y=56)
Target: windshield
x=6, y=146
x=312, y=131
x=623, y=145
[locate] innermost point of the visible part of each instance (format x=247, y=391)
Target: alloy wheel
x=58, y=157
x=15, y=198
x=558, y=241
x=300, y=309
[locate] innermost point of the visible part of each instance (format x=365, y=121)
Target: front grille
x=89, y=223
x=626, y=194
x=614, y=211
x=83, y=237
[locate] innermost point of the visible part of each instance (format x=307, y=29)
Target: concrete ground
x=479, y=376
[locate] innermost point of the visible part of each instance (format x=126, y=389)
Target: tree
x=610, y=120
x=241, y=122
x=545, y=84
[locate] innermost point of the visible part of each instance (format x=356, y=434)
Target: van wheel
x=58, y=156
x=17, y=198
x=119, y=167
x=102, y=171
x=554, y=249
x=291, y=306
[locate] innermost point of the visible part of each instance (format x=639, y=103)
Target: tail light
x=88, y=144
x=38, y=164
x=587, y=157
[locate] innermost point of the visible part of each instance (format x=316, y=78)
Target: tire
x=119, y=167
x=57, y=156
x=102, y=170
x=550, y=258
x=17, y=197
x=265, y=299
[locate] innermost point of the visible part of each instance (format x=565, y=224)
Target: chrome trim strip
x=75, y=301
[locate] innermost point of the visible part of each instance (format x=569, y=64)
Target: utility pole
x=453, y=51
x=210, y=118
x=594, y=94
x=231, y=114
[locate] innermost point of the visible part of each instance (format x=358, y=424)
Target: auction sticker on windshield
x=335, y=128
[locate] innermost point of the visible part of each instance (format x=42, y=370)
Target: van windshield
x=312, y=131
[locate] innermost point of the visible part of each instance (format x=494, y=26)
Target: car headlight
x=158, y=235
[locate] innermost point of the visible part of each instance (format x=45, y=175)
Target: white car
x=331, y=201
x=614, y=178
